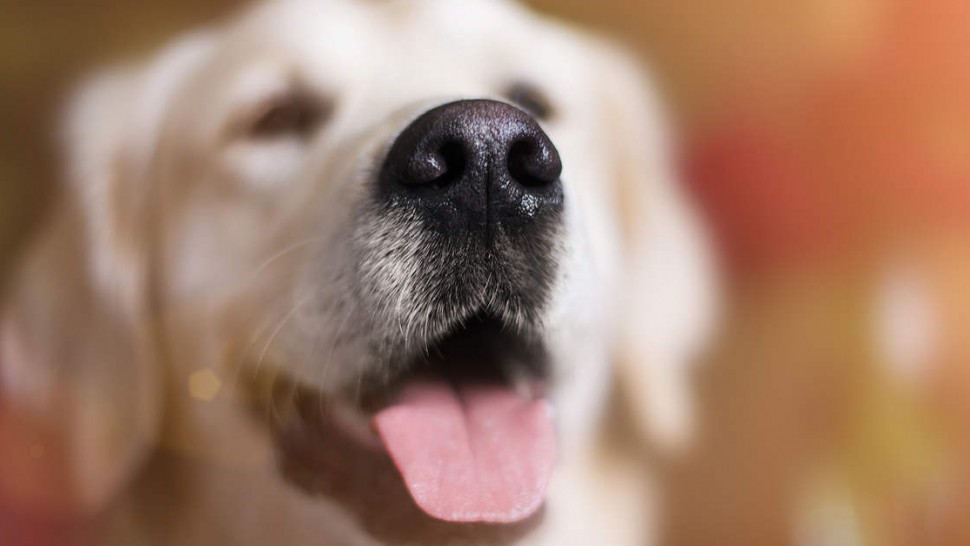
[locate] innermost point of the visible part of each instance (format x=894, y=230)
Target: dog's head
x=422, y=233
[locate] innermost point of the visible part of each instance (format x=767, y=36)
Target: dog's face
x=396, y=214
x=406, y=231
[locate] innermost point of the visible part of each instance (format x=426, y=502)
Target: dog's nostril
x=437, y=167
x=454, y=157
x=532, y=162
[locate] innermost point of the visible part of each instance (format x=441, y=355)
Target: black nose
x=475, y=165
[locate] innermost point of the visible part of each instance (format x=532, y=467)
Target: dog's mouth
x=465, y=423
x=467, y=428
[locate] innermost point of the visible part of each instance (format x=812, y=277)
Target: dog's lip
x=351, y=421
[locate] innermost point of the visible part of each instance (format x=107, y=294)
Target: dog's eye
x=292, y=116
x=531, y=99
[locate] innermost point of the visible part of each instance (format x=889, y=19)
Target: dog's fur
x=198, y=277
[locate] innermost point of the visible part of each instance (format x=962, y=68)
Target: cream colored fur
x=186, y=262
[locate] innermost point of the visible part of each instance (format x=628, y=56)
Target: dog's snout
x=474, y=164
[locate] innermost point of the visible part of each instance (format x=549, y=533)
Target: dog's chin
x=451, y=444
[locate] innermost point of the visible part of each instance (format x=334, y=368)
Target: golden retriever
x=353, y=273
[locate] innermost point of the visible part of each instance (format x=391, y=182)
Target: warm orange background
x=827, y=140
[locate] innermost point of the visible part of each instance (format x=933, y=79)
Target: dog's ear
x=80, y=391
x=78, y=398
x=669, y=292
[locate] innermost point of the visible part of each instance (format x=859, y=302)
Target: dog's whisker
x=358, y=389
x=325, y=371
x=272, y=337
x=242, y=358
x=292, y=398
x=278, y=328
x=283, y=252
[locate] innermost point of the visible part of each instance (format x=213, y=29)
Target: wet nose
x=474, y=165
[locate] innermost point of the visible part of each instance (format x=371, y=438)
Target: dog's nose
x=474, y=164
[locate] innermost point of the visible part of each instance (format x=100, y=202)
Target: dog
x=359, y=273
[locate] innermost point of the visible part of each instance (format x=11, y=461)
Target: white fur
x=236, y=255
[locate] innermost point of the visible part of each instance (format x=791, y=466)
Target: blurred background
x=828, y=142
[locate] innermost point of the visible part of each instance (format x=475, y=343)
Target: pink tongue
x=476, y=453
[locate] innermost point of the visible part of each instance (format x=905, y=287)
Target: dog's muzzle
x=475, y=166
x=459, y=253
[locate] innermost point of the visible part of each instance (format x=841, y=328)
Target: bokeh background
x=828, y=142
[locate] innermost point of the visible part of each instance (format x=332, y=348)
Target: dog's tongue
x=473, y=453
